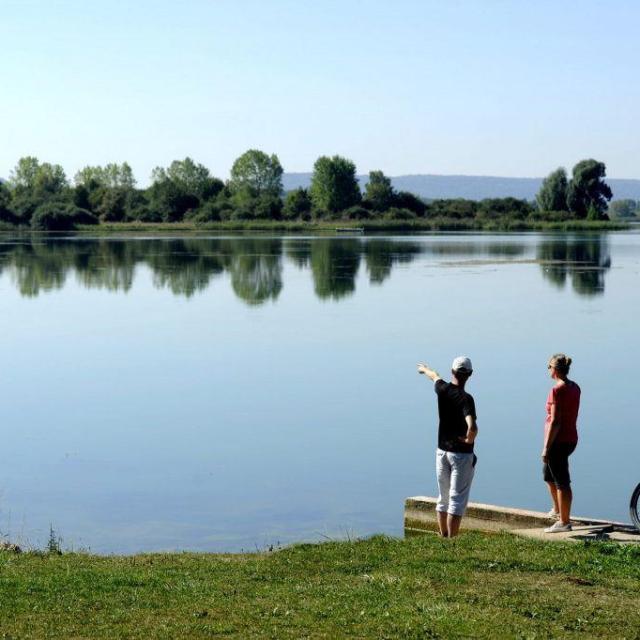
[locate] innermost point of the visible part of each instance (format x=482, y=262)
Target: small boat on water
x=349, y=230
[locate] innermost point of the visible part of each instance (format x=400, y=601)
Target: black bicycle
x=634, y=507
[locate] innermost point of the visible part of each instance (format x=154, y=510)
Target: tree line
x=39, y=195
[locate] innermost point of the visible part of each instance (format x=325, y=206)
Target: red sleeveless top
x=566, y=397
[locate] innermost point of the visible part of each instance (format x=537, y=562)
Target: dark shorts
x=556, y=469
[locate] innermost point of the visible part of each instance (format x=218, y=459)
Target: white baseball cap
x=462, y=363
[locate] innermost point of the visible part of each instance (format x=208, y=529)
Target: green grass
x=329, y=226
x=479, y=585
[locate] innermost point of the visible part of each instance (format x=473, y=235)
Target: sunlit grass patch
x=475, y=586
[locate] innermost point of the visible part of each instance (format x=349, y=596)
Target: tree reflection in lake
x=109, y=266
x=381, y=254
x=335, y=263
x=186, y=266
x=256, y=269
x=583, y=259
x=298, y=251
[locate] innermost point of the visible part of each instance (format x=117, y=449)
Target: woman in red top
x=560, y=440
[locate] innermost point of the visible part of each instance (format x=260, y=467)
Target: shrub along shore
x=478, y=585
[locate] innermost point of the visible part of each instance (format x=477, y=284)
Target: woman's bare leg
x=553, y=491
x=565, y=497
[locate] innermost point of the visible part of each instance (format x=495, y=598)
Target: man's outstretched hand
x=427, y=371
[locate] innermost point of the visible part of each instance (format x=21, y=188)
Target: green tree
x=58, y=216
x=247, y=206
x=6, y=215
x=107, y=191
x=453, y=208
x=356, y=213
x=623, y=208
x=334, y=186
x=120, y=176
x=34, y=183
x=113, y=204
x=553, y=192
x=190, y=178
x=42, y=180
x=378, y=193
x=408, y=200
x=89, y=177
x=113, y=176
x=170, y=200
x=587, y=192
x=25, y=172
x=496, y=208
x=50, y=179
x=183, y=186
x=297, y=204
x=258, y=173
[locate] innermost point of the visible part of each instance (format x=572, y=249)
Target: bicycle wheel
x=634, y=507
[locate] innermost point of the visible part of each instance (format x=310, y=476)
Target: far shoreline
x=328, y=228
x=357, y=226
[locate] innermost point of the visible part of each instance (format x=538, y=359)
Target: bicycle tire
x=634, y=507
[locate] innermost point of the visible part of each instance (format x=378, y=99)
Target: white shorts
x=455, y=473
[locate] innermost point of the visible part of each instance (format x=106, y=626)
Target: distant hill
x=471, y=187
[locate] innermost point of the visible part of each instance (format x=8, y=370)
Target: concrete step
x=420, y=517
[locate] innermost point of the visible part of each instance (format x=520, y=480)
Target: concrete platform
x=420, y=517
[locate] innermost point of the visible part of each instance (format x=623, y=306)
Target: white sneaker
x=558, y=527
x=553, y=514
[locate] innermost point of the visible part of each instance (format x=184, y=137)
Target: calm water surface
x=228, y=393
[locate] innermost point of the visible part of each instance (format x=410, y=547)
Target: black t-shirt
x=454, y=405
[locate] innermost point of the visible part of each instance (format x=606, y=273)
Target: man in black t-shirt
x=457, y=431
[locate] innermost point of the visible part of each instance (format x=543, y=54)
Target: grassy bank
x=391, y=226
x=476, y=586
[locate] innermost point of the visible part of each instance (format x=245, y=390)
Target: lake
x=232, y=393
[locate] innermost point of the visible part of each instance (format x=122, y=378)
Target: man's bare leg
x=453, y=524
x=565, y=497
x=442, y=523
x=553, y=491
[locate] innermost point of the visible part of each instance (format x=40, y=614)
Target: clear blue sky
x=491, y=87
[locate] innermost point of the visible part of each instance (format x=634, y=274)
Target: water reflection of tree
x=584, y=260
x=184, y=266
x=334, y=264
x=256, y=269
x=35, y=268
x=298, y=250
x=104, y=264
x=381, y=254
x=335, y=261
